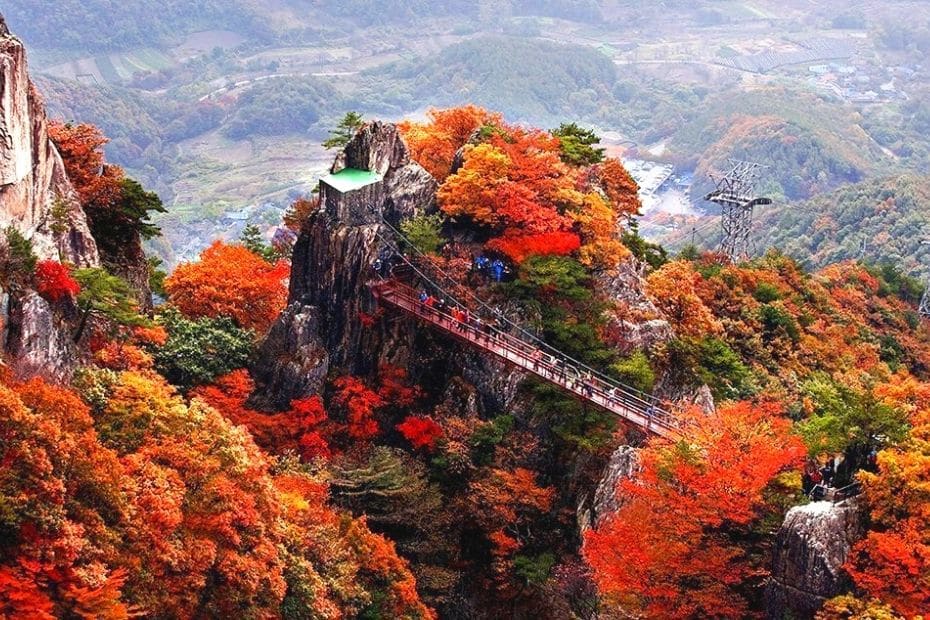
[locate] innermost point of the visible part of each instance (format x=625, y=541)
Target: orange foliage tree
x=518, y=248
x=892, y=563
x=81, y=146
x=472, y=191
x=230, y=281
x=503, y=504
x=54, y=281
x=298, y=429
x=171, y=511
x=434, y=144
x=420, y=431
x=674, y=288
x=677, y=546
x=619, y=186
x=516, y=184
x=57, y=482
x=360, y=404
x=598, y=224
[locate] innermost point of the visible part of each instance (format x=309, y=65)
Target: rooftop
x=351, y=179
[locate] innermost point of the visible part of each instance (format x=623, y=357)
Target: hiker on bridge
x=477, y=325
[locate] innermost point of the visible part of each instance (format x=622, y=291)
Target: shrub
x=198, y=351
x=766, y=293
x=635, y=371
x=424, y=233
x=54, y=281
x=17, y=260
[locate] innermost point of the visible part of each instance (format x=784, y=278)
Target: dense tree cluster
x=535, y=193
x=685, y=541
x=144, y=504
x=117, y=207
x=154, y=485
x=230, y=281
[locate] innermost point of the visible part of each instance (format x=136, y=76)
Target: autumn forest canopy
x=155, y=482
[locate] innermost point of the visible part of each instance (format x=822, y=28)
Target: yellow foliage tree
x=471, y=192
x=597, y=223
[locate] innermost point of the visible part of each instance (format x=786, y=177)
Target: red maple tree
x=54, y=281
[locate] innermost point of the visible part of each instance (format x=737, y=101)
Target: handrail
x=603, y=393
x=541, y=344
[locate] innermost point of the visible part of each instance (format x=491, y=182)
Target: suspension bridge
x=487, y=329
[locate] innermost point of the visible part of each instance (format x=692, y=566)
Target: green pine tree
x=344, y=131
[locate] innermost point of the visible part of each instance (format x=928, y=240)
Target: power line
x=924, y=308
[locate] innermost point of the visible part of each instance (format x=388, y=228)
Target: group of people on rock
x=820, y=482
x=495, y=270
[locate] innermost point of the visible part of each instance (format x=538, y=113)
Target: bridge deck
x=591, y=388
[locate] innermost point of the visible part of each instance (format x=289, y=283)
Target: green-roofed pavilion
x=351, y=179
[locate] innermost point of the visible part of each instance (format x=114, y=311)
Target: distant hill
x=102, y=25
x=810, y=146
x=528, y=80
x=106, y=26
x=889, y=215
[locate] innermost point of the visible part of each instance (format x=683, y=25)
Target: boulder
x=810, y=550
x=293, y=362
x=623, y=464
x=39, y=341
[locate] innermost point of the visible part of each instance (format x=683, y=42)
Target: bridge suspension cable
x=526, y=343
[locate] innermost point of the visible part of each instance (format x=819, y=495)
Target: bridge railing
x=605, y=393
x=421, y=264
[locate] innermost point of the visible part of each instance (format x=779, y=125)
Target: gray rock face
x=33, y=181
x=296, y=361
x=623, y=464
x=39, y=342
x=628, y=287
x=32, y=176
x=810, y=550
x=331, y=268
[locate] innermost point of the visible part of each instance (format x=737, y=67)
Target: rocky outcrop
x=638, y=324
x=35, y=194
x=623, y=464
x=39, y=341
x=37, y=199
x=323, y=327
x=294, y=360
x=810, y=550
x=327, y=325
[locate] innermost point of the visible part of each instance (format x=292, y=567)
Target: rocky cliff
x=322, y=329
x=35, y=194
x=37, y=199
x=810, y=549
x=623, y=464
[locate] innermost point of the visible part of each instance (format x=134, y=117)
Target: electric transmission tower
x=735, y=194
x=924, y=308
